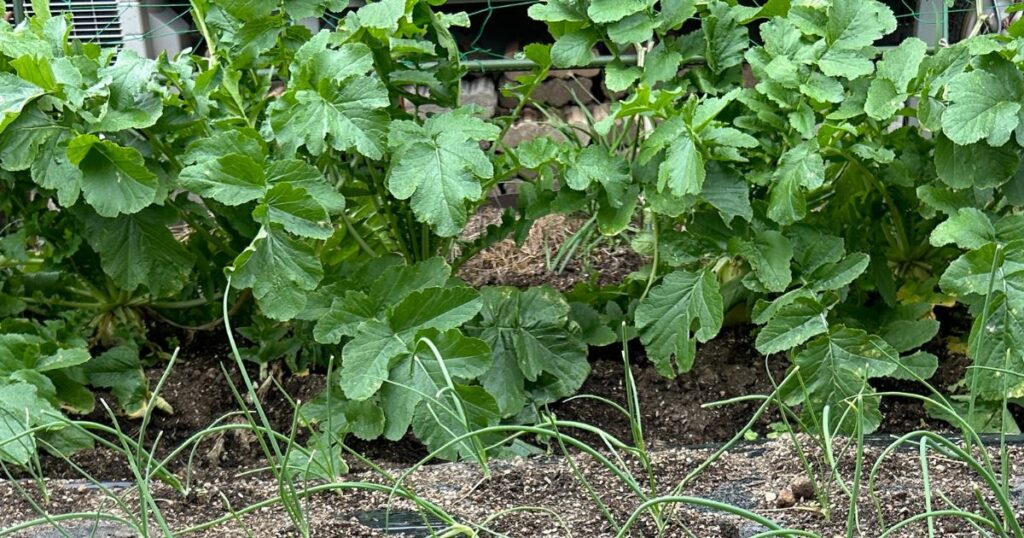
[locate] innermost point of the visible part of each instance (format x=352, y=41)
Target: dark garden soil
x=676, y=425
x=673, y=409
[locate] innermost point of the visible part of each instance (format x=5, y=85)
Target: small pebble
x=786, y=498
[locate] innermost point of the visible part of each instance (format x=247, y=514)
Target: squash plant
x=815, y=195
x=796, y=177
x=299, y=162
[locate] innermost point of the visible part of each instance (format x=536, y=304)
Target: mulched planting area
x=680, y=432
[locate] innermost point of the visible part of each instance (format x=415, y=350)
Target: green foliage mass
x=832, y=193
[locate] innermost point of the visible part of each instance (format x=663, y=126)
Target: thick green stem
x=654, y=261
x=68, y=304
x=7, y=262
x=357, y=237
x=382, y=203
x=181, y=305
x=902, y=241
x=198, y=227
x=425, y=241
x=171, y=157
x=199, y=16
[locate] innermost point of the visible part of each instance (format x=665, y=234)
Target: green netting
x=102, y=20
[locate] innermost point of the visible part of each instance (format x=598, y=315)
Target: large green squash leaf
x=139, y=250
x=367, y=357
x=725, y=37
x=120, y=370
x=115, y=179
x=602, y=11
x=800, y=169
x=792, y=325
x=557, y=11
x=975, y=165
x=344, y=116
x=970, y=228
x=20, y=142
x=370, y=301
x=315, y=61
x=53, y=170
x=834, y=370
x=852, y=27
x=421, y=376
x=595, y=165
x=995, y=344
x=131, y=103
x=666, y=318
x=574, y=48
x=439, y=165
x=382, y=15
x=21, y=408
x=682, y=169
x=280, y=269
x=983, y=270
x=232, y=178
x=836, y=275
x=15, y=93
x=38, y=361
x=888, y=90
x=234, y=167
x=984, y=104
x=296, y=210
x=769, y=255
x=437, y=424
x=539, y=355
x=337, y=415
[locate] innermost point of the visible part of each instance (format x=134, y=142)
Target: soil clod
x=802, y=488
x=785, y=498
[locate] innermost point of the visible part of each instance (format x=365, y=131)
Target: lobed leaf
x=667, y=316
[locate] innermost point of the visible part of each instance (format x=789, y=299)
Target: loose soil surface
x=753, y=477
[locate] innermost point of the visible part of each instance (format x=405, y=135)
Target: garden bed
x=680, y=432
x=679, y=429
x=773, y=226
x=674, y=414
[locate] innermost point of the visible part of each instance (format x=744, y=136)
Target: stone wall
x=563, y=95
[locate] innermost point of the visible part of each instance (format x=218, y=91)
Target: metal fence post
x=18, y=10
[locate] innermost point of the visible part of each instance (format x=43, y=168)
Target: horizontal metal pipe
x=516, y=64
